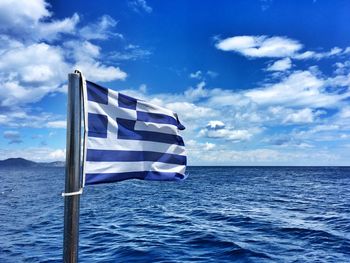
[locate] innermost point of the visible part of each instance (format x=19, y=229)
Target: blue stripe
x=96, y=93
x=125, y=123
x=100, y=178
x=97, y=134
x=127, y=102
x=126, y=131
x=156, y=118
x=133, y=156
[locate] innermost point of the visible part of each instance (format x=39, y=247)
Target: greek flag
x=128, y=138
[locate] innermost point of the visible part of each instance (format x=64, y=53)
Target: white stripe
x=142, y=126
x=123, y=167
x=148, y=107
x=112, y=143
x=114, y=95
x=112, y=111
x=156, y=127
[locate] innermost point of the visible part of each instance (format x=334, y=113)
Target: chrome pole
x=73, y=171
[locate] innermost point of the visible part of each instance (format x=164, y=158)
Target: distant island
x=21, y=162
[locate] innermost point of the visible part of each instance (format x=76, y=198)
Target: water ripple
x=220, y=214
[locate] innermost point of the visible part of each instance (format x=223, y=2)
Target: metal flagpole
x=73, y=171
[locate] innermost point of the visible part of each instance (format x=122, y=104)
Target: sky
x=255, y=82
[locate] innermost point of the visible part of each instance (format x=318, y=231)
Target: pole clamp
x=73, y=193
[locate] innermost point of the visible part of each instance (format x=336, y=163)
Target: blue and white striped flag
x=128, y=138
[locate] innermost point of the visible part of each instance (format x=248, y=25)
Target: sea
x=219, y=214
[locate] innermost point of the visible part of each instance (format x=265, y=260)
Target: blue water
x=219, y=214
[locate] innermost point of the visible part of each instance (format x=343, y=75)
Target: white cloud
x=209, y=146
x=301, y=116
x=52, y=30
x=99, y=72
x=305, y=55
x=196, y=75
x=282, y=115
x=335, y=51
x=260, y=46
x=131, y=52
x=196, y=93
x=87, y=57
x=35, y=63
x=304, y=145
x=216, y=129
x=301, y=88
x=342, y=68
x=216, y=125
x=37, y=73
x=24, y=19
x=81, y=50
x=345, y=113
x=286, y=141
x=322, y=133
x=12, y=93
x=203, y=75
x=280, y=65
x=339, y=80
x=19, y=117
x=140, y=5
x=31, y=68
x=230, y=135
x=274, y=47
x=190, y=111
x=7, y=43
x=28, y=73
x=347, y=50
x=143, y=88
x=322, y=128
x=251, y=116
x=57, y=124
x=15, y=13
x=227, y=98
x=59, y=155
x=101, y=30
x=194, y=146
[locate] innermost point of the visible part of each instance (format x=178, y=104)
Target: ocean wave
x=219, y=214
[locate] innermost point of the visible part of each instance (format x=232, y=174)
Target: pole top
x=75, y=74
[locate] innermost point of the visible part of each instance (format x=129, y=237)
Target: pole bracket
x=73, y=193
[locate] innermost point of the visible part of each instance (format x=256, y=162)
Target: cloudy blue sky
x=254, y=82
